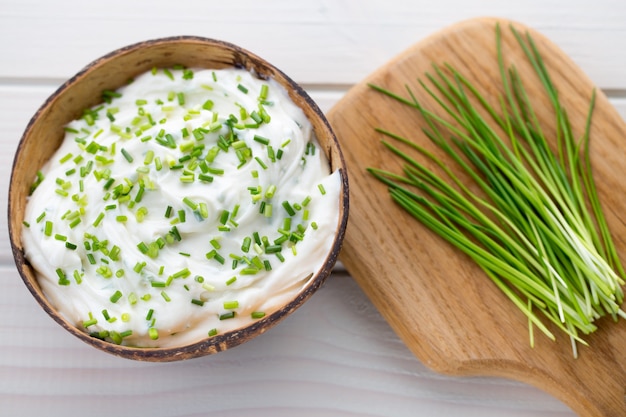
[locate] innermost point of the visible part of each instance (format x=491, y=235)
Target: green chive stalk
x=537, y=228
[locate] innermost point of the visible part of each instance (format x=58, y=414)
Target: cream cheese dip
x=190, y=203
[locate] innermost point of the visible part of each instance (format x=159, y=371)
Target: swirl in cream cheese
x=190, y=203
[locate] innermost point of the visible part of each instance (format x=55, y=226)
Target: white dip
x=188, y=204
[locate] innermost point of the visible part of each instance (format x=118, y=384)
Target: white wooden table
x=335, y=356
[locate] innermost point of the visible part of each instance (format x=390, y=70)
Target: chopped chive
x=132, y=298
x=62, y=277
x=187, y=74
x=245, y=246
x=92, y=321
x=183, y=273
x=126, y=155
x=257, y=315
x=226, y=316
x=116, y=296
x=48, y=228
x=288, y=208
x=260, y=162
x=153, y=333
x=273, y=248
x=126, y=333
x=261, y=139
x=197, y=302
x=231, y=305
x=98, y=219
x=139, y=195
x=213, y=254
x=205, y=178
x=264, y=92
x=203, y=210
x=212, y=332
x=149, y=157
x=66, y=158
x=322, y=189
x=208, y=105
x=114, y=253
x=139, y=267
x=190, y=203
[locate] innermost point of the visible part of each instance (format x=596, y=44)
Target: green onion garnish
x=98, y=219
x=190, y=203
x=228, y=315
x=288, y=208
x=62, y=277
x=116, y=296
x=126, y=155
x=48, y=228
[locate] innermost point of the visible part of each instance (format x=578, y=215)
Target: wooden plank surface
x=336, y=356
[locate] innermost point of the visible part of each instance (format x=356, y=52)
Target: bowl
x=45, y=131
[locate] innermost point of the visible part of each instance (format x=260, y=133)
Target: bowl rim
x=222, y=341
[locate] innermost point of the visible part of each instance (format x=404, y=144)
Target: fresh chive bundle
x=537, y=230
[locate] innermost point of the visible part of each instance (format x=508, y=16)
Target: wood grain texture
x=441, y=305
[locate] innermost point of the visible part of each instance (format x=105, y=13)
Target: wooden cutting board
x=442, y=306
